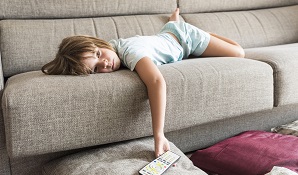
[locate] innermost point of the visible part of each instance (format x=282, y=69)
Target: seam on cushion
x=260, y=24
x=276, y=90
x=2, y=79
x=7, y=128
x=250, y=26
x=142, y=32
x=219, y=20
x=184, y=79
x=94, y=27
x=152, y=24
x=180, y=72
x=235, y=23
x=275, y=72
x=117, y=32
x=73, y=27
x=280, y=26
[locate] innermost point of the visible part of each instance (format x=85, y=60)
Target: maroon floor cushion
x=249, y=153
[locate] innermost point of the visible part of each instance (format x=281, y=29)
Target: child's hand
x=161, y=145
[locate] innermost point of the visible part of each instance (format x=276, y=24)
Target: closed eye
x=98, y=53
x=95, y=69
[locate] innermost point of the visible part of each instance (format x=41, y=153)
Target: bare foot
x=175, y=15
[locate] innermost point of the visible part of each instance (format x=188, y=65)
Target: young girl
x=81, y=55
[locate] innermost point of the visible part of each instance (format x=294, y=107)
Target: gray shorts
x=192, y=39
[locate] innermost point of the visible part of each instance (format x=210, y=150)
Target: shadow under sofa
x=208, y=99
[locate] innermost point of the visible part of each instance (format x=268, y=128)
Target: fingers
x=159, y=153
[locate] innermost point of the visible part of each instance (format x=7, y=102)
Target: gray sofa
x=208, y=99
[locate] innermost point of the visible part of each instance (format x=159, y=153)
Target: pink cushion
x=249, y=153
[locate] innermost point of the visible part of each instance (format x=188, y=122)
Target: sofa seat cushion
x=46, y=114
x=121, y=158
x=284, y=61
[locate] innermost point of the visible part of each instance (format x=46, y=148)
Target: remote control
x=159, y=165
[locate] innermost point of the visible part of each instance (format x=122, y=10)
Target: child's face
x=102, y=60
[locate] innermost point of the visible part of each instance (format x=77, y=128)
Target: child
x=81, y=55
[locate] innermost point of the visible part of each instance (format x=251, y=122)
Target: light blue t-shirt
x=161, y=49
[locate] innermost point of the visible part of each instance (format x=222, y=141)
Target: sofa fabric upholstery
x=205, y=135
x=32, y=165
x=250, y=29
x=253, y=28
x=284, y=61
x=187, y=140
x=202, y=6
x=208, y=99
x=2, y=133
x=45, y=36
x=80, y=119
x=1, y=75
x=71, y=9
x=4, y=162
x=81, y=8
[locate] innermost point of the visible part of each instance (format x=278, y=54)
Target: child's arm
x=156, y=87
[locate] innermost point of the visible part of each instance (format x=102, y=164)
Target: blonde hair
x=68, y=58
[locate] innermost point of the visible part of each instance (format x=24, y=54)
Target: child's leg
x=175, y=15
x=223, y=47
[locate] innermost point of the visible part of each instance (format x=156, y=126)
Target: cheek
x=112, y=53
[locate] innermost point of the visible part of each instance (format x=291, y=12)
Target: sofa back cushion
x=252, y=28
x=93, y=8
x=81, y=8
x=27, y=44
x=200, y=6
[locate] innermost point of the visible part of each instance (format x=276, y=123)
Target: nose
x=106, y=63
